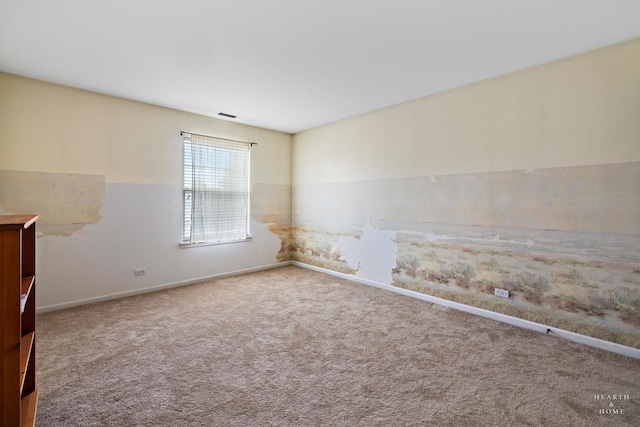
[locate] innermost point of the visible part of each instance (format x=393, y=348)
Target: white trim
x=522, y=323
x=124, y=294
x=185, y=245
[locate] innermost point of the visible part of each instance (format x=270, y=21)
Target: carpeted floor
x=293, y=347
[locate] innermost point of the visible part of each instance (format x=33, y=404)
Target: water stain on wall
x=65, y=202
x=582, y=282
x=320, y=247
x=271, y=204
x=563, y=241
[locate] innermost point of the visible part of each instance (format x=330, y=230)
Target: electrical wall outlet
x=501, y=293
x=140, y=272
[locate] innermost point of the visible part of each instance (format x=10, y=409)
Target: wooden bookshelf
x=18, y=395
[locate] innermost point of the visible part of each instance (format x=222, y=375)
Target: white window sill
x=185, y=245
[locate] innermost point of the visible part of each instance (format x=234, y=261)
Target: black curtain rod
x=182, y=132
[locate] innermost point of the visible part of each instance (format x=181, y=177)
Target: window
x=215, y=190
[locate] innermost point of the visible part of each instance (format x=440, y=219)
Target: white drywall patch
x=373, y=254
x=264, y=243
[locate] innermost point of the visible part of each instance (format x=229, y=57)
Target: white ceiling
x=291, y=65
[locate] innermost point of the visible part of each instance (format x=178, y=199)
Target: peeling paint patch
x=65, y=202
x=373, y=254
x=265, y=240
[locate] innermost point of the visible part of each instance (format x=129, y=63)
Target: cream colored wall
x=527, y=182
x=53, y=128
x=105, y=175
x=90, y=139
x=582, y=110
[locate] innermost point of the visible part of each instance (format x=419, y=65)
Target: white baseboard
x=571, y=336
x=56, y=307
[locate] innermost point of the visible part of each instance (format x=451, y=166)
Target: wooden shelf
x=12, y=222
x=28, y=407
x=18, y=395
x=27, y=283
x=26, y=342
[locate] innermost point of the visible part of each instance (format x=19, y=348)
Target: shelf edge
x=26, y=344
x=28, y=409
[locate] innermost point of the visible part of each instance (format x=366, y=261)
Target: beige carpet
x=293, y=347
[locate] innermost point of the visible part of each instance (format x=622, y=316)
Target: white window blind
x=216, y=190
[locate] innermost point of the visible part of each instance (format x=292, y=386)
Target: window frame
x=186, y=138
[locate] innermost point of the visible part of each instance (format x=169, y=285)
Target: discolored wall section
x=598, y=198
x=105, y=175
x=66, y=203
x=529, y=183
x=271, y=204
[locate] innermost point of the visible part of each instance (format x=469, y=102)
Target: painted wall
x=529, y=182
x=105, y=174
